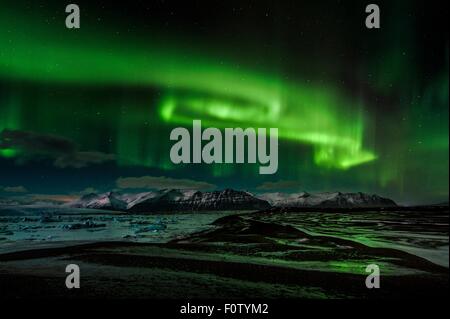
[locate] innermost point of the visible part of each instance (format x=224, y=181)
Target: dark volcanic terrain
x=258, y=255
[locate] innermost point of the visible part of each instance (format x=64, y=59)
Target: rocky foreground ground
x=243, y=257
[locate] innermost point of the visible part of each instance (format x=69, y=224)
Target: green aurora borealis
x=377, y=123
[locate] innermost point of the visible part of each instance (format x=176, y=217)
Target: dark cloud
x=13, y=189
x=280, y=185
x=83, y=159
x=63, y=151
x=56, y=198
x=161, y=182
x=36, y=143
x=88, y=190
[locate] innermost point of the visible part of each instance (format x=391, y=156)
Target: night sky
x=357, y=109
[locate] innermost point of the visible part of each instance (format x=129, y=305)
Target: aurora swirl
x=122, y=93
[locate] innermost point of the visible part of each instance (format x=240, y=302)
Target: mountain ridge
x=228, y=199
x=172, y=199
x=327, y=200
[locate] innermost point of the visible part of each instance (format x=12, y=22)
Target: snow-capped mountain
x=195, y=200
x=327, y=200
x=172, y=200
x=107, y=201
x=191, y=200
